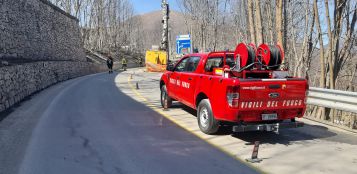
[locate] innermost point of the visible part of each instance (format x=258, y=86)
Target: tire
x=206, y=121
x=162, y=97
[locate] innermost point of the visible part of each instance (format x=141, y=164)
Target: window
x=188, y=64
x=181, y=66
x=214, y=62
x=192, y=64
x=230, y=60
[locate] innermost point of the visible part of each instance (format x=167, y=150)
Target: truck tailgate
x=272, y=94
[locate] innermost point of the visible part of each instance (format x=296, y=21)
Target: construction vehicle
x=155, y=61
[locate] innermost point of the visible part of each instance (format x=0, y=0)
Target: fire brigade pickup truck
x=247, y=89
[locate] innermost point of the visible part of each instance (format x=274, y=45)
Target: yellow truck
x=155, y=61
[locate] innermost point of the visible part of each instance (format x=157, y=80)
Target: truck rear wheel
x=206, y=121
x=164, y=96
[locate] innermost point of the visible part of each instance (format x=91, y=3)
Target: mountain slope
x=152, y=27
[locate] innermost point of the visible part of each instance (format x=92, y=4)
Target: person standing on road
x=110, y=63
x=124, y=63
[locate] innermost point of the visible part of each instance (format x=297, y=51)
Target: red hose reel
x=265, y=56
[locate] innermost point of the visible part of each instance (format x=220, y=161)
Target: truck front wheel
x=165, y=99
x=206, y=121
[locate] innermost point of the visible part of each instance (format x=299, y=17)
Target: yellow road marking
x=160, y=111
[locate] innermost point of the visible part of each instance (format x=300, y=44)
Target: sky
x=145, y=6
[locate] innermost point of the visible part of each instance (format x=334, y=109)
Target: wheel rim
x=204, y=117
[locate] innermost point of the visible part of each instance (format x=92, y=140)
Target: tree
x=106, y=25
x=251, y=22
x=279, y=22
x=258, y=24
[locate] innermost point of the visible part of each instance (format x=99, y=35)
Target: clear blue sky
x=145, y=6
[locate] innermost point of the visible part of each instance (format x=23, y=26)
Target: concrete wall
x=38, y=30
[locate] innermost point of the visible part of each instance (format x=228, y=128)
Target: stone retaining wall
x=37, y=30
x=19, y=81
x=40, y=45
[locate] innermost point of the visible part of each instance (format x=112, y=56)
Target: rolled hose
x=275, y=56
x=251, y=54
x=271, y=56
x=246, y=53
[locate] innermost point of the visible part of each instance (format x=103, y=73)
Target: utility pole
x=165, y=29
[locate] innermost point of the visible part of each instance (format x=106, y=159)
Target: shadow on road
x=285, y=136
x=12, y=108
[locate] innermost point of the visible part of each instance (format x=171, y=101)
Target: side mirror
x=170, y=67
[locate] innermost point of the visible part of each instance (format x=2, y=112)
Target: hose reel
x=265, y=57
x=246, y=55
x=270, y=55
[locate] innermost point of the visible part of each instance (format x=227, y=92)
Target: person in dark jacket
x=140, y=62
x=110, y=63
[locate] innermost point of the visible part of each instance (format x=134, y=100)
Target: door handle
x=190, y=78
x=201, y=77
x=210, y=78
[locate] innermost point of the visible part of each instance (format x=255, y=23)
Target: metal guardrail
x=335, y=99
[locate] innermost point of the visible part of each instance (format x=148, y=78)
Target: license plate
x=269, y=116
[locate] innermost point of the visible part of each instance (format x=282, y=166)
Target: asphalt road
x=87, y=125
x=315, y=148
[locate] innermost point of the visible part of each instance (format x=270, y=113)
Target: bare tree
x=107, y=25
x=251, y=22
x=279, y=21
x=258, y=23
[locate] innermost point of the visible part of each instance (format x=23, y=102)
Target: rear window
x=217, y=62
x=230, y=60
x=213, y=62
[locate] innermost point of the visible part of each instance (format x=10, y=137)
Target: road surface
x=315, y=148
x=88, y=125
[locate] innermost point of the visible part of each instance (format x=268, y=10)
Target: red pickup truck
x=245, y=89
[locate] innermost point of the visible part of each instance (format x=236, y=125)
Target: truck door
x=216, y=87
x=188, y=81
x=175, y=79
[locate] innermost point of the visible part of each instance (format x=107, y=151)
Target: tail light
x=233, y=96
